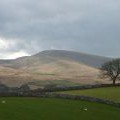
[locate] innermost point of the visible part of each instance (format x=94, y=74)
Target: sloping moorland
x=52, y=65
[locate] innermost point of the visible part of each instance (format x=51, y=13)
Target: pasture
x=55, y=109
x=110, y=93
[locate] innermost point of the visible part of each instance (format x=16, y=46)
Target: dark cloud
x=82, y=25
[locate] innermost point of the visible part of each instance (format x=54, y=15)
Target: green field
x=55, y=109
x=110, y=93
x=53, y=83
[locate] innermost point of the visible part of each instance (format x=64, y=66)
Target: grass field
x=55, y=109
x=53, y=82
x=110, y=93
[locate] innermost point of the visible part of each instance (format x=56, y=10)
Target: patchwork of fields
x=55, y=109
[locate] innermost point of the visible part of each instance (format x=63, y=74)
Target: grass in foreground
x=55, y=109
x=110, y=93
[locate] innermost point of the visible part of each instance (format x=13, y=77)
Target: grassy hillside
x=61, y=70
x=55, y=109
x=110, y=93
x=52, y=65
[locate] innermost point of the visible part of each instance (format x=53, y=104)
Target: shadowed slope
x=91, y=60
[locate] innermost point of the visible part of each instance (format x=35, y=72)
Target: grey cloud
x=83, y=25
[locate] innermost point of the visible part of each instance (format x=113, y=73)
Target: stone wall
x=86, y=98
x=51, y=93
x=59, y=95
x=80, y=87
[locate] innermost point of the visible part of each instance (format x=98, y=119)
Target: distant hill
x=50, y=56
x=52, y=65
x=87, y=59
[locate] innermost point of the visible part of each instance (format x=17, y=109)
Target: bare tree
x=111, y=70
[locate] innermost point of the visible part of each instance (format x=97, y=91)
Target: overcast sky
x=30, y=26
